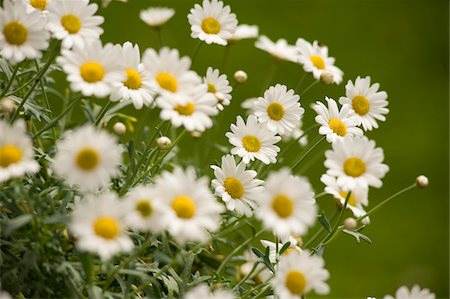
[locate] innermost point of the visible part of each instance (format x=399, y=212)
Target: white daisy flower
x=415, y=293
x=40, y=5
x=170, y=73
x=280, y=50
x=74, y=22
x=368, y=103
x=237, y=187
x=192, y=110
x=22, y=33
x=279, y=109
x=315, y=60
x=87, y=157
x=98, y=224
x=299, y=274
x=212, y=22
x=137, y=85
x=287, y=207
x=296, y=134
x=261, y=273
x=253, y=140
x=293, y=248
x=250, y=105
x=156, y=16
x=335, y=124
x=16, y=151
x=218, y=84
x=92, y=70
x=244, y=32
x=356, y=163
x=193, y=210
x=202, y=291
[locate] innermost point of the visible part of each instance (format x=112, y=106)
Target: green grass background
x=403, y=45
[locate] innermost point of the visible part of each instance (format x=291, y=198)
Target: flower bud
x=119, y=128
x=7, y=105
x=240, y=77
x=422, y=181
x=327, y=78
x=164, y=142
x=350, y=223
x=196, y=134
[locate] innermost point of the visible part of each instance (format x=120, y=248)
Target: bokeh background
x=404, y=46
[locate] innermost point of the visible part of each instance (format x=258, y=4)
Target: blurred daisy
x=293, y=248
x=299, y=274
x=22, y=33
x=253, y=140
x=170, y=73
x=92, y=70
x=98, y=224
x=315, y=60
x=368, y=103
x=40, y=5
x=87, y=157
x=156, y=16
x=244, y=32
x=74, y=22
x=237, y=187
x=16, y=151
x=336, y=124
x=356, y=163
x=193, y=210
x=296, y=134
x=137, y=85
x=202, y=291
x=415, y=293
x=280, y=50
x=250, y=105
x=279, y=109
x=287, y=206
x=212, y=22
x=218, y=86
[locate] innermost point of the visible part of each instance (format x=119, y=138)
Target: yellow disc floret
x=295, y=282
x=106, y=227
x=337, y=126
x=233, y=187
x=361, y=105
x=351, y=199
x=317, y=61
x=251, y=143
x=283, y=205
x=15, y=33
x=144, y=207
x=354, y=167
x=210, y=26
x=92, y=72
x=275, y=111
x=39, y=4
x=184, y=206
x=87, y=159
x=10, y=154
x=167, y=81
x=186, y=110
x=212, y=88
x=134, y=79
x=71, y=23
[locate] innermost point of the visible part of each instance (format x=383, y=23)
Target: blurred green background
x=403, y=45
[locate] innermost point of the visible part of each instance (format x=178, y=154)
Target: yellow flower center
x=87, y=159
x=167, y=81
x=289, y=250
x=354, y=167
x=317, y=61
x=106, y=227
x=210, y=25
x=337, y=126
x=283, y=205
x=212, y=88
x=71, y=23
x=92, y=71
x=15, y=33
x=134, y=79
x=233, y=187
x=184, y=206
x=9, y=154
x=361, y=105
x=187, y=109
x=295, y=282
x=251, y=143
x=39, y=4
x=275, y=111
x=144, y=207
x=351, y=200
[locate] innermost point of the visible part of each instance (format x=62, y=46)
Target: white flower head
x=250, y=105
x=202, y=291
x=293, y=248
x=218, y=84
x=280, y=50
x=212, y=22
x=156, y=16
x=39, y=5
x=368, y=103
x=415, y=293
x=244, y=32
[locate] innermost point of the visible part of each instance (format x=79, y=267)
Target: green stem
x=44, y=93
x=160, y=38
x=292, y=142
x=186, y=272
x=194, y=54
x=319, y=232
x=159, y=161
x=244, y=279
x=300, y=81
x=270, y=75
x=102, y=112
x=8, y=86
x=296, y=164
x=309, y=87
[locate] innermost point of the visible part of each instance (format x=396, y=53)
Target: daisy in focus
x=244, y=32
x=253, y=140
x=98, y=224
x=87, y=157
x=156, y=16
x=22, y=34
x=16, y=151
x=368, y=103
x=238, y=187
x=212, y=22
x=202, y=291
x=218, y=86
x=279, y=50
x=335, y=124
x=415, y=293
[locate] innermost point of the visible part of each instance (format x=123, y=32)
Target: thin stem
x=160, y=38
x=194, y=54
x=13, y=76
x=270, y=75
x=317, y=234
x=244, y=279
x=309, y=87
x=320, y=195
x=102, y=112
x=157, y=164
x=226, y=54
x=299, y=161
x=44, y=93
x=297, y=139
x=300, y=81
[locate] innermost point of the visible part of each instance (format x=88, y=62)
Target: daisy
x=335, y=124
x=87, y=157
x=192, y=110
x=237, y=187
x=156, y=16
x=218, y=84
x=299, y=274
x=253, y=140
x=16, y=151
x=98, y=224
x=279, y=109
x=287, y=206
x=250, y=105
x=22, y=33
x=280, y=50
x=74, y=22
x=356, y=163
x=293, y=248
x=137, y=85
x=414, y=293
x=315, y=60
x=170, y=73
x=202, y=291
x=40, y=5
x=212, y=22
x=244, y=32
x=193, y=210
x=92, y=70
x=368, y=103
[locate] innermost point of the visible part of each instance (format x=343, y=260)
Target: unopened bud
x=240, y=77
x=350, y=223
x=164, y=142
x=326, y=78
x=119, y=128
x=7, y=105
x=422, y=181
x=196, y=134
x=220, y=97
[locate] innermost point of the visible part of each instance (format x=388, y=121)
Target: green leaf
x=324, y=221
x=17, y=223
x=94, y=292
x=257, y=252
x=358, y=236
x=285, y=246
